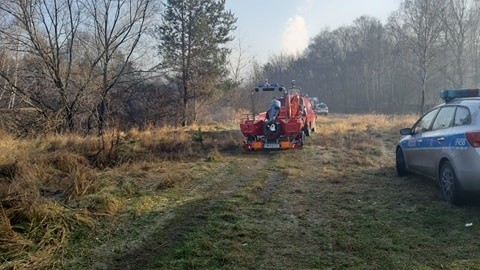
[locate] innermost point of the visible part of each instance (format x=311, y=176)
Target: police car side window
x=444, y=118
x=425, y=122
x=462, y=116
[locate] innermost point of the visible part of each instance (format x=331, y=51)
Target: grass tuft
x=214, y=156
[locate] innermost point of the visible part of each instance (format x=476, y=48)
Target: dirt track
x=336, y=204
x=279, y=200
x=192, y=216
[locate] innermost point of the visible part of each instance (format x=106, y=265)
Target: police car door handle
x=441, y=139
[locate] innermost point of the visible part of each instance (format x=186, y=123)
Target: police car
x=321, y=109
x=444, y=144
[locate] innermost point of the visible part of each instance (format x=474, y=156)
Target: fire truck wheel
x=306, y=129
x=301, y=138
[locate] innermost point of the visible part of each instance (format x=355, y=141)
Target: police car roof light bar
x=450, y=94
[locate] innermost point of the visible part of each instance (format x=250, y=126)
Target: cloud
x=295, y=36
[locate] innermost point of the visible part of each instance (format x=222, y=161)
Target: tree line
x=399, y=67
x=87, y=65
x=81, y=64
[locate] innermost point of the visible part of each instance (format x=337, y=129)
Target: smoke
x=295, y=36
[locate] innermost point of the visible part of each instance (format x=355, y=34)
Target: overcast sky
x=267, y=27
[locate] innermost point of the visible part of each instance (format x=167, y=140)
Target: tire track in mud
x=275, y=179
x=192, y=215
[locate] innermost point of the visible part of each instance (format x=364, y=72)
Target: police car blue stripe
x=454, y=141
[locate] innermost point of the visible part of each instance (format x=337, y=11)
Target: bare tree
x=456, y=23
x=47, y=30
x=239, y=61
x=367, y=57
x=231, y=95
x=117, y=27
x=474, y=40
x=419, y=24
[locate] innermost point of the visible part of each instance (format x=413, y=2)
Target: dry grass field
x=189, y=198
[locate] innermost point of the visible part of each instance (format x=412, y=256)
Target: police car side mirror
x=405, y=131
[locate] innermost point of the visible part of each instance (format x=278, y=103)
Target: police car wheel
x=449, y=184
x=400, y=163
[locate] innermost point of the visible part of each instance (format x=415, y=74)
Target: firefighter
x=273, y=110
